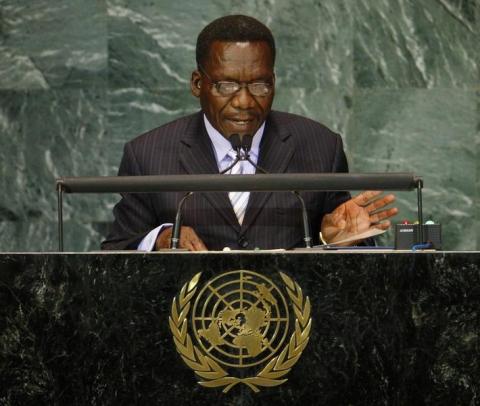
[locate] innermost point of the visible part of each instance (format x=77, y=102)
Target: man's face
x=242, y=62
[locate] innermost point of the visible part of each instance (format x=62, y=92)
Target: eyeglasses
x=229, y=88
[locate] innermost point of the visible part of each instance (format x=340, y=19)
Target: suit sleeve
x=134, y=215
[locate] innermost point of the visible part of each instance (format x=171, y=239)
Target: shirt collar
x=222, y=146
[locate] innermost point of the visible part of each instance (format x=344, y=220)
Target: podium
x=96, y=328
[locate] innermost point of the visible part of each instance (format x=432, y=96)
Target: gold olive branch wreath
x=211, y=372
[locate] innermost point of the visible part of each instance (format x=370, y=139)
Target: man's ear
x=196, y=83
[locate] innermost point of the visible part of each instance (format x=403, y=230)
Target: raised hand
x=357, y=215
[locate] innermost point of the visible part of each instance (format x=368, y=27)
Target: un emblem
x=240, y=321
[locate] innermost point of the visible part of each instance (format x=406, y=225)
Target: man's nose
x=243, y=99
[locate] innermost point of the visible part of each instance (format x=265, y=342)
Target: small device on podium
x=407, y=236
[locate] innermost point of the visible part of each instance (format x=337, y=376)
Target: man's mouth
x=241, y=122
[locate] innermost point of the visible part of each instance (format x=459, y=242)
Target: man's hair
x=233, y=28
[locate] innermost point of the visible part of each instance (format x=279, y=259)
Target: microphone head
x=236, y=141
x=246, y=142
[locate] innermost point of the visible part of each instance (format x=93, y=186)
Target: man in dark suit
x=235, y=83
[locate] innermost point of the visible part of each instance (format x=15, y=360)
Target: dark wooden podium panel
x=93, y=329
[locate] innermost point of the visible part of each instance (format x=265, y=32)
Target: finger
x=384, y=225
x=192, y=240
x=198, y=245
x=188, y=245
x=363, y=199
x=384, y=214
x=380, y=203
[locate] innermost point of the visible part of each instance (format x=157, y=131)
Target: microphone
x=241, y=143
x=244, y=143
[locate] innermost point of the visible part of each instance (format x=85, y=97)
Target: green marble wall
x=398, y=78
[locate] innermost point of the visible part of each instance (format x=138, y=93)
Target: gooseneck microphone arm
x=306, y=223
x=178, y=222
x=244, y=144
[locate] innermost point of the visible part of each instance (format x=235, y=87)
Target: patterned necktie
x=239, y=199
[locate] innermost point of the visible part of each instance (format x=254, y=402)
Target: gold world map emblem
x=240, y=321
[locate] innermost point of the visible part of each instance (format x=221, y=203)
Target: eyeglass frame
x=242, y=85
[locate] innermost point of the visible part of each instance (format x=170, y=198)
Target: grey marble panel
x=39, y=235
x=429, y=132
x=332, y=105
x=133, y=111
x=403, y=43
x=477, y=184
x=46, y=135
x=152, y=44
x=52, y=43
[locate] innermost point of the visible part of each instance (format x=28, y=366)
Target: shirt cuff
x=148, y=242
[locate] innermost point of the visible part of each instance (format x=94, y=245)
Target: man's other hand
x=188, y=240
x=357, y=215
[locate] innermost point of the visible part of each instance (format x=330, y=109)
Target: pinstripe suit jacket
x=290, y=144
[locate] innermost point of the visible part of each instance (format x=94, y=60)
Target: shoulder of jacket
x=302, y=126
x=168, y=131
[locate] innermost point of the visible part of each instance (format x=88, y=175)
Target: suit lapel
x=197, y=157
x=276, y=151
